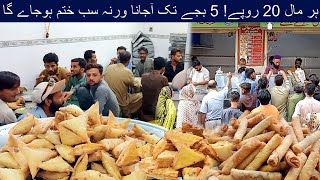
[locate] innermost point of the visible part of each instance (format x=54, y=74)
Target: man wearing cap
x=275, y=68
x=48, y=96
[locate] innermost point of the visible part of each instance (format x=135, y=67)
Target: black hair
x=159, y=63
x=278, y=80
x=314, y=79
x=299, y=59
x=212, y=84
x=246, y=86
x=271, y=60
x=263, y=83
x=124, y=57
x=82, y=62
x=121, y=48
x=234, y=96
x=194, y=58
x=243, y=60
x=196, y=63
x=310, y=89
x=97, y=66
x=174, y=51
x=249, y=71
x=240, y=70
x=143, y=49
x=50, y=57
x=264, y=97
x=9, y=80
x=88, y=54
x=50, y=96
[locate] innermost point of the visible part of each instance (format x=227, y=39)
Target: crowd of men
x=117, y=90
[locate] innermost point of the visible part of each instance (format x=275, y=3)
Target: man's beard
x=276, y=66
x=53, y=108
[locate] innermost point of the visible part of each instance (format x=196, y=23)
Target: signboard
x=292, y=24
x=251, y=45
x=215, y=25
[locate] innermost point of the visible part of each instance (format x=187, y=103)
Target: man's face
x=198, y=68
x=51, y=68
x=276, y=63
x=93, y=76
x=57, y=101
x=298, y=64
x=93, y=59
x=9, y=95
x=177, y=57
x=75, y=68
x=242, y=63
x=119, y=51
x=253, y=76
x=143, y=55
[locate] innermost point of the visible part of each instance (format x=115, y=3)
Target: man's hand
x=20, y=100
x=68, y=76
x=229, y=75
x=55, y=77
x=289, y=72
x=195, y=84
x=40, y=79
x=113, y=60
x=66, y=95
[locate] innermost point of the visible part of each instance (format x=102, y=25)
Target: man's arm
x=203, y=119
x=286, y=80
x=229, y=76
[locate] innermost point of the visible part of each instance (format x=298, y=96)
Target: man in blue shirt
x=116, y=60
x=250, y=78
x=48, y=97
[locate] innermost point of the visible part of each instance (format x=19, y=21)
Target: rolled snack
x=312, y=138
x=309, y=166
x=292, y=159
x=307, y=151
x=297, y=128
x=213, y=140
x=293, y=135
x=248, y=160
x=252, y=114
x=294, y=172
x=255, y=120
x=282, y=166
x=264, y=124
x=240, y=155
x=250, y=174
x=244, y=114
x=224, y=127
x=242, y=129
x=234, y=122
x=263, y=155
x=278, y=128
x=284, y=122
x=315, y=174
x=230, y=132
x=306, y=130
x=280, y=151
x=262, y=137
x=316, y=147
x=225, y=177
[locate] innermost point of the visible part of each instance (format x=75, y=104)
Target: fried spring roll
x=278, y=128
x=264, y=124
x=262, y=137
x=296, y=124
x=280, y=151
x=255, y=120
x=250, y=174
x=309, y=166
x=294, y=172
x=234, y=122
x=282, y=166
x=293, y=135
x=310, y=140
x=240, y=155
x=249, y=159
x=242, y=129
x=292, y=159
x=316, y=146
x=244, y=114
x=265, y=153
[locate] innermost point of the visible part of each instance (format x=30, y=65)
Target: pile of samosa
x=83, y=145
